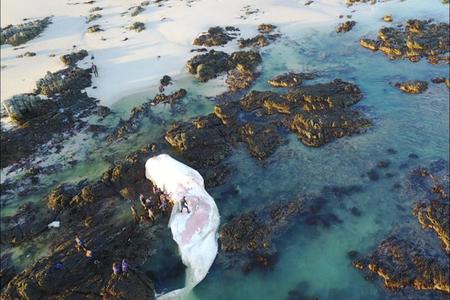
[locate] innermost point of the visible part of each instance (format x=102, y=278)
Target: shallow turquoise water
x=314, y=259
x=311, y=258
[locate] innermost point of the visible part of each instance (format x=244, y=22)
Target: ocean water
x=312, y=259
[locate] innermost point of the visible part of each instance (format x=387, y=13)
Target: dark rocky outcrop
x=165, y=80
x=318, y=114
x=19, y=34
x=65, y=82
x=94, y=28
x=103, y=111
x=290, y=79
x=388, y=18
x=240, y=65
x=266, y=28
x=216, y=36
x=95, y=213
x=345, y=27
x=23, y=107
x=409, y=258
x=403, y=260
x=439, y=80
x=260, y=40
x=136, y=10
x=43, y=120
x=433, y=210
x=209, y=65
x=417, y=39
x=412, y=86
x=72, y=58
x=93, y=17
x=137, y=26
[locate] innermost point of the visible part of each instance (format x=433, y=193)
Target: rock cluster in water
x=290, y=79
x=19, y=34
x=317, y=114
x=439, y=80
x=263, y=39
x=410, y=258
x=417, y=39
x=240, y=65
x=140, y=112
x=345, y=27
x=412, y=86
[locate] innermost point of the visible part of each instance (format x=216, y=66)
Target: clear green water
x=313, y=258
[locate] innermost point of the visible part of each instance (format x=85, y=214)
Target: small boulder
x=345, y=27
x=412, y=86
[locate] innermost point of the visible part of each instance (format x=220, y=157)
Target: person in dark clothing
x=94, y=69
x=184, y=205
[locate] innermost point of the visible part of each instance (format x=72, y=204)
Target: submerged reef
x=409, y=258
x=240, y=65
x=247, y=241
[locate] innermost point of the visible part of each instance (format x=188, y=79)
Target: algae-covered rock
x=415, y=40
x=24, y=107
x=216, y=36
x=19, y=34
x=345, y=27
x=412, y=86
x=290, y=79
x=137, y=26
x=72, y=58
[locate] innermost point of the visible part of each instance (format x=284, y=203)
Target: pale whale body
x=195, y=233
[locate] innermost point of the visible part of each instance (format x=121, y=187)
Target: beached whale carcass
x=194, y=232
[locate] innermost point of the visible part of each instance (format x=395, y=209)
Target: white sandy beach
x=133, y=65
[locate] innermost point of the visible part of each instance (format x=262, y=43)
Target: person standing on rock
x=151, y=216
x=184, y=205
x=142, y=199
x=94, y=69
x=116, y=268
x=148, y=203
x=125, y=266
x=78, y=243
x=134, y=214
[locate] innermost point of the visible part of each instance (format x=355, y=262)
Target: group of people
x=121, y=268
x=161, y=202
x=81, y=247
x=118, y=268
